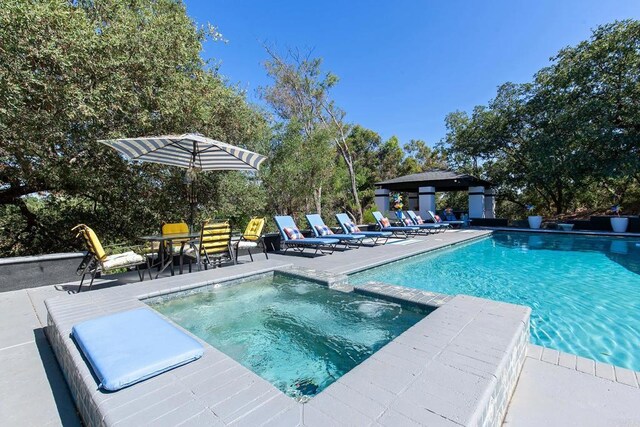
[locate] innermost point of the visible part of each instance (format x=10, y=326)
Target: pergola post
x=426, y=200
x=476, y=202
x=382, y=200
x=489, y=203
x=412, y=204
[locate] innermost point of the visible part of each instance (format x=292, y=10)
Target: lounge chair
x=398, y=231
x=438, y=220
x=214, y=245
x=409, y=222
x=292, y=238
x=320, y=229
x=349, y=227
x=97, y=261
x=252, y=238
x=419, y=222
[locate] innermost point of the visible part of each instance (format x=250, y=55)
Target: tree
x=301, y=92
x=391, y=157
x=75, y=72
x=576, y=126
x=365, y=145
x=422, y=158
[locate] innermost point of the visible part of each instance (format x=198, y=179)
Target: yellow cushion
x=95, y=244
x=215, y=238
x=175, y=228
x=254, y=229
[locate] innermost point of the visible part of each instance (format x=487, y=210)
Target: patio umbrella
x=191, y=151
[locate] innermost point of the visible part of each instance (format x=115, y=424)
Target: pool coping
x=366, y=265
x=600, y=233
x=457, y=366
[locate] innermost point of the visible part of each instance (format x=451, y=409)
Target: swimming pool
x=584, y=291
x=297, y=334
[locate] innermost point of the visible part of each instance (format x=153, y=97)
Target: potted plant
x=534, y=220
x=618, y=224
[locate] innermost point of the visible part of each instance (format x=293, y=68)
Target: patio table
x=165, y=251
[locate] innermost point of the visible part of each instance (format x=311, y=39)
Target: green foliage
x=73, y=73
x=556, y=142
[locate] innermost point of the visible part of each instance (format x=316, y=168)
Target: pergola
x=422, y=188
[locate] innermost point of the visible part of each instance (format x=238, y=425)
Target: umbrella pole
x=192, y=200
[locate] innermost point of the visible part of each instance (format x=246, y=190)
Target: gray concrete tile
x=176, y=415
x=393, y=418
x=550, y=356
x=626, y=376
x=585, y=365
x=534, y=351
x=19, y=319
x=374, y=392
x=338, y=410
x=34, y=377
x=356, y=399
x=567, y=360
x=202, y=419
x=554, y=396
x=279, y=410
x=245, y=400
x=430, y=411
x=605, y=371
x=313, y=417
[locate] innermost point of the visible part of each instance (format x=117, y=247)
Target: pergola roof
x=442, y=180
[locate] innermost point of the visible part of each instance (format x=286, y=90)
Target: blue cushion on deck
x=131, y=346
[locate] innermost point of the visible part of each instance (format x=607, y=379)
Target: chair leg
x=93, y=276
x=81, y=283
x=250, y=256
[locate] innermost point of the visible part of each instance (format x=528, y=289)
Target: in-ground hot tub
x=459, y=364
x=295, y=333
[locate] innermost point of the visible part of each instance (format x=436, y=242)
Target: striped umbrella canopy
x=190, y=151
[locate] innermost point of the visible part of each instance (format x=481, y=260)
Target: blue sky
x=403, y=65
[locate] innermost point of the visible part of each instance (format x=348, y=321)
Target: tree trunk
x=354, y=191
x=317, y=199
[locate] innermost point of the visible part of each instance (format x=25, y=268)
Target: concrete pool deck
x=33, y=390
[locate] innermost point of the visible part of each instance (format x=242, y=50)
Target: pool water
x=584, y=291
x=299, y=335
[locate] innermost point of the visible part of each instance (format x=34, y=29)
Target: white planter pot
x=618, y=224
x=535, y=221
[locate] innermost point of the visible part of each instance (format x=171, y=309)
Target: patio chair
x=214, y=245
x=419, y=222
x=320, y=229
x=436, y=219
x=97, y=261
x=252, y=238
x=398, y=231
x=409, y=222
x=178, y=246
x=292, y=238
x=350, y=228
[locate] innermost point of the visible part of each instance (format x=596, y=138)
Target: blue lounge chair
x=408, y=221
x=318, y=227
x=349, y=227
x=398, y=231
x=323, y=245
x=449, y=223
x=437, y=228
